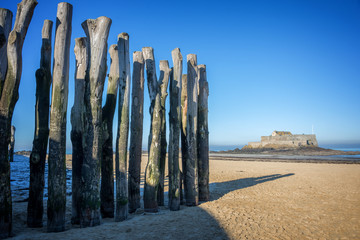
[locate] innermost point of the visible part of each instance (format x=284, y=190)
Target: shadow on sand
x=217, y=190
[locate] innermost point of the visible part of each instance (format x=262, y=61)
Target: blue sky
x=271, y=65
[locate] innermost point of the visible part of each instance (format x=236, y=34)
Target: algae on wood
x=9, y=97
x=78, y=126
x=122, y=210
x=35, y=207
x=97, y=32
x=5, y=28
x=56, y=206
x=12, y=144
x=137, y=97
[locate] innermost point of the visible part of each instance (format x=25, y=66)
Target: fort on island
x=283, y=139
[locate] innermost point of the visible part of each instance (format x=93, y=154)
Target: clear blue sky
x=271, y=65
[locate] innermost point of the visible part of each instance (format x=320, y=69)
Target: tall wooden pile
x=56, y=206
x=78, y=126
x=152, y=171
x=203, y=135
x=136, y=131
x=11, y=43
x=122, y=207
x=38, y=154
x=97, y=32
x=174, y=122
x=108, y=111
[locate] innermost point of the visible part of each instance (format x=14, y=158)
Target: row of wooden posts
x=91, y=133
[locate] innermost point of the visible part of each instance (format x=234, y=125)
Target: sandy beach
x=249, y=200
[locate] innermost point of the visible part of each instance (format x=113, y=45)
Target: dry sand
x=249, y=200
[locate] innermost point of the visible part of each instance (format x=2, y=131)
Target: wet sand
x=249, y=200
x=337, y=159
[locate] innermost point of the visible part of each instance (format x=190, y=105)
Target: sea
x=19, y=179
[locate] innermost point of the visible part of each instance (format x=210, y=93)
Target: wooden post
x=164, y=82
x=12, y=144
x=137, y=97
x=35, y=208
x=9, y=97
x=122, y=209
x=152, y=171
x=78, y=126
x=56, y=206
x=5, y=28
x=174, y=122
x=184, y=148
x=203, y=135
x=191, y=170
x=107, y=162
x=97, y=32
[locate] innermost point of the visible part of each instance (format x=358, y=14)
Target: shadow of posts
x=217, y=190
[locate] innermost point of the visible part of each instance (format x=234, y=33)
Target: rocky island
x=286, y=143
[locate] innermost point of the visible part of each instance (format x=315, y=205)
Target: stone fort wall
x=303, y=140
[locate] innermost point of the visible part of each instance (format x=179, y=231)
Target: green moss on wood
x=122, y=201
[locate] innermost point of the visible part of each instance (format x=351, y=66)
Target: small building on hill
x=281, y=133
x=284, y=139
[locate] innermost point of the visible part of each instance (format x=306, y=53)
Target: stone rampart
x=303, y=140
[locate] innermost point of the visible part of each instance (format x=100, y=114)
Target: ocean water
x=217, y=148
x=345, y=148
x=342, y=147
x=20, y=174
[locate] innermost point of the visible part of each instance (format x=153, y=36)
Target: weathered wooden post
x=191, y=170
x=12, y=143
x=97, y=32
x=78, y=126
x=184, y=148
x=5, y=28
x=9, y=97
x=122, y=210
x=56, y=205
x=174, y=124
x=136, y=131
x=152, y=172
x=203, y=135
x=107, y=162
x=164, y=82
x=35, y=207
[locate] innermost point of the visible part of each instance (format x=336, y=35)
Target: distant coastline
x=301, y=151
x=335, y=146
x=323, y=150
